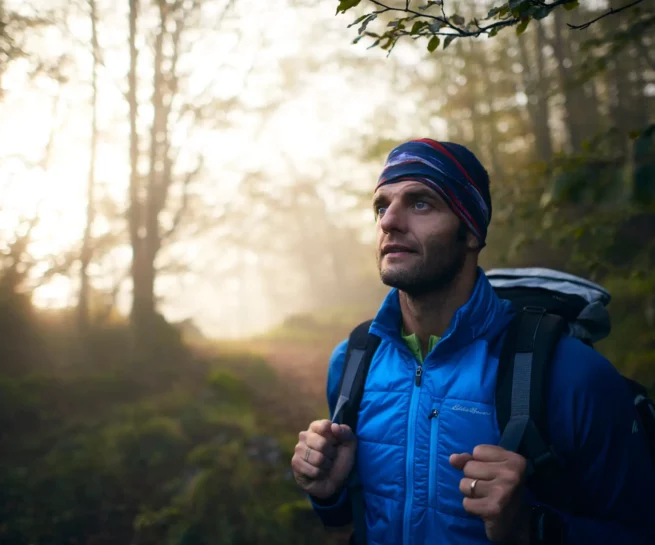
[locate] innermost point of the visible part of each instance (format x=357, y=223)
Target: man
x=426, y=446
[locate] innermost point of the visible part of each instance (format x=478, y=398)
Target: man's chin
x=395, y=278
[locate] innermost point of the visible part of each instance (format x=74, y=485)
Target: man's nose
x=393, y=219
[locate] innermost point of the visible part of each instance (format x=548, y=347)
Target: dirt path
x=298, y=395
x=305, y=364
x=302, y=373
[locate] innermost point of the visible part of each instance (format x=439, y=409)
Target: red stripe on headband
x=457, y=204
x=440, y=147
x=448, y=195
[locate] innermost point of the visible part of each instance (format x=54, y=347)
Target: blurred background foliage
x=185, y=229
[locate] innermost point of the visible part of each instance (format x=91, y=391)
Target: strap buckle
x=534, y=309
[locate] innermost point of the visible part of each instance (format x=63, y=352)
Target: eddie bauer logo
x=471, y=410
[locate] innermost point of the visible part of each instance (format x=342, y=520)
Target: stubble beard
x=444, y=263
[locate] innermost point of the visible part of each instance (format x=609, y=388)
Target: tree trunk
x=489, y=121
x=592, y=108
x=619, y=101
x=564, y=60
x=149, y=194
x=640, y=113
x=142, y=277
x=151, y=237
x=87, y=250
x=542, y=108
x=472, y=139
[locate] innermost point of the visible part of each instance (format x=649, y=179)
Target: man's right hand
x=323, y=472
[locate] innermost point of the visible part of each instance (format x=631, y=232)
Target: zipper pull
x=419, y=374
x=433, y=414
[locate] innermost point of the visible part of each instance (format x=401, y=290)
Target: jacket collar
x=483, y=316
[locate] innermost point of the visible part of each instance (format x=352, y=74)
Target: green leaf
x=345, y=5
x=433, y=43
x=457, y=20
x=494, y=31
x=358, y=20
x=417, y=26
x=397, y=24
x=493, y=12
x=571, y=5
x=376, y=42
x=520, y=29
x=388, y=43
x=541, y=13
x=448, y=39
x=436, y=26
x=370, y=18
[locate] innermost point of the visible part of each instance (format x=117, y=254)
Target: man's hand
x=497, y=496
x=323, y=458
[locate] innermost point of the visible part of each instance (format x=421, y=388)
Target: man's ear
x=472, y=242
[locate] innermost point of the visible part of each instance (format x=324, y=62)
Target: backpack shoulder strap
x=645, y=407
x=521, y=397
x=359, y=353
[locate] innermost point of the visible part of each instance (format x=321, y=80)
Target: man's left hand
x=498, y=493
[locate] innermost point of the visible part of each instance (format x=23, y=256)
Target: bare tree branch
x=222, y=14
x=59, y=264
x=447, y=21
x=11, y=275
x=188, y=178
x=111, y=297
x=609, y=12
x=432, y=26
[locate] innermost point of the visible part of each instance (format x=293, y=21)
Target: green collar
x=413, y=343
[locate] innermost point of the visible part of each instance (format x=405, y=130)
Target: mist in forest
x=186, y=228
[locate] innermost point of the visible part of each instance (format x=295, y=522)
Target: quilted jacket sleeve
x=593, y=422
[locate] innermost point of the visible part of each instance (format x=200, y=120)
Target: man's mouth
x=396, y=250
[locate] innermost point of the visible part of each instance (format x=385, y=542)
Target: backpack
x=548, y=305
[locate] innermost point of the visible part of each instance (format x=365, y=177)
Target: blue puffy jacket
x=412, y=492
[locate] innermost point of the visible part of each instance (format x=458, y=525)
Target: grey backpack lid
x=593, y=322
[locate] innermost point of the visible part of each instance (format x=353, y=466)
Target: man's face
x=421, y=243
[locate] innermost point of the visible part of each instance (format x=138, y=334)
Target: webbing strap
x=358, y=509
x=361, y=347
x=520, y=402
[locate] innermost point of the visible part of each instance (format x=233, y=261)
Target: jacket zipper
x=409, y=464
x=432, y=471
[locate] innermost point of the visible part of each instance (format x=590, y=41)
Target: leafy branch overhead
x=433, y=21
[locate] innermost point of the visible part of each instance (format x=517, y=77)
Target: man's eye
x=379, y=211
x=421, y=205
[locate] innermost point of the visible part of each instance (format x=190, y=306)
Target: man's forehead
x=407, y=186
